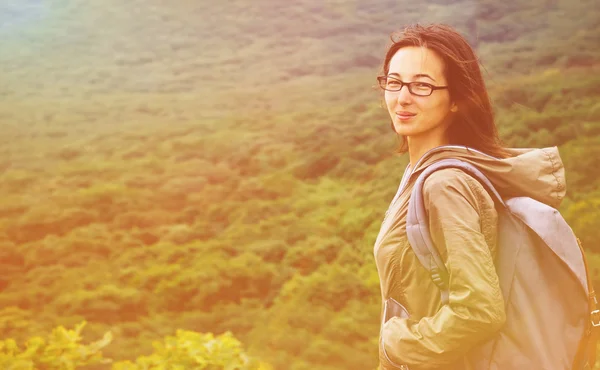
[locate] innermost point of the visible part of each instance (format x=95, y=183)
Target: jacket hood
x=534, y=173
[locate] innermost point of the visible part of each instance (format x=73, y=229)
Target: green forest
x=199, y=184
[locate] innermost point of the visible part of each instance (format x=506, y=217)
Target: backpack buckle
x=596, y=318
x=438, y=278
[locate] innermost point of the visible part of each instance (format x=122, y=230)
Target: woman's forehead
x=413, y=60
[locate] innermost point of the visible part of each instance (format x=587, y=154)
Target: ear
x=454, y=108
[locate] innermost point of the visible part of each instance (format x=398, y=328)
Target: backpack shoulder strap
x=417, y=222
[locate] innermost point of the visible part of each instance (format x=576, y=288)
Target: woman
x=438, y=104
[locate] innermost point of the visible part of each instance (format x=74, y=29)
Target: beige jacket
x=463, y=224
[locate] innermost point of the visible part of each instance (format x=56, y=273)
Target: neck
x=418, y=146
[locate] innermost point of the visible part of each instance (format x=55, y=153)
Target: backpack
x=550, y=304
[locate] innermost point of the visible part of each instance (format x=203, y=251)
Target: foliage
x=62, y=350
x=195, y=351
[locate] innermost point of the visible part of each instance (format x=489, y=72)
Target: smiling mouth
x=405, y=116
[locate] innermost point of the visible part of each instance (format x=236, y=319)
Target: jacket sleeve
x=475, y=311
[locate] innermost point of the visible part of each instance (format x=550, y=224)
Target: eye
x=391, y=82
x=421, y=85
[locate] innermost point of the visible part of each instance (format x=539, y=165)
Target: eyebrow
x=416, y=76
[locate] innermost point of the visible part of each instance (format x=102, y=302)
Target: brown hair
x=473, y=125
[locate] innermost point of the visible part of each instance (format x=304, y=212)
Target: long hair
x=473, y=125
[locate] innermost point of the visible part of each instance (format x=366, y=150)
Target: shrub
x=195, y=351
x=62, y=350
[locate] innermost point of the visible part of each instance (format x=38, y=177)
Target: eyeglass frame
x=408, y=85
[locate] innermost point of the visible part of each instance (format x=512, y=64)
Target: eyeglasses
x=415, y=88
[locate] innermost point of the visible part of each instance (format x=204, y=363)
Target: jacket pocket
x=391, y=308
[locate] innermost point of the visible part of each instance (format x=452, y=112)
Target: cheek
x=437, y=107
x=389, y=101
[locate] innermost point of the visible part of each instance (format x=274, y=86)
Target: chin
x=404, y=130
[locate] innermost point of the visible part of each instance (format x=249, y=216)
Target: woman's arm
x=454, y=202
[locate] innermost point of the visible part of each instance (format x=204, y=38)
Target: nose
x=404, y=96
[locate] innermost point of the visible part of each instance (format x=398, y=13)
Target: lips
x=405, y=114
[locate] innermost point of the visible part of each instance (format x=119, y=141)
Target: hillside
x=223, y=167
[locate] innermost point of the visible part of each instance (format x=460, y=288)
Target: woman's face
x=417, y=116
